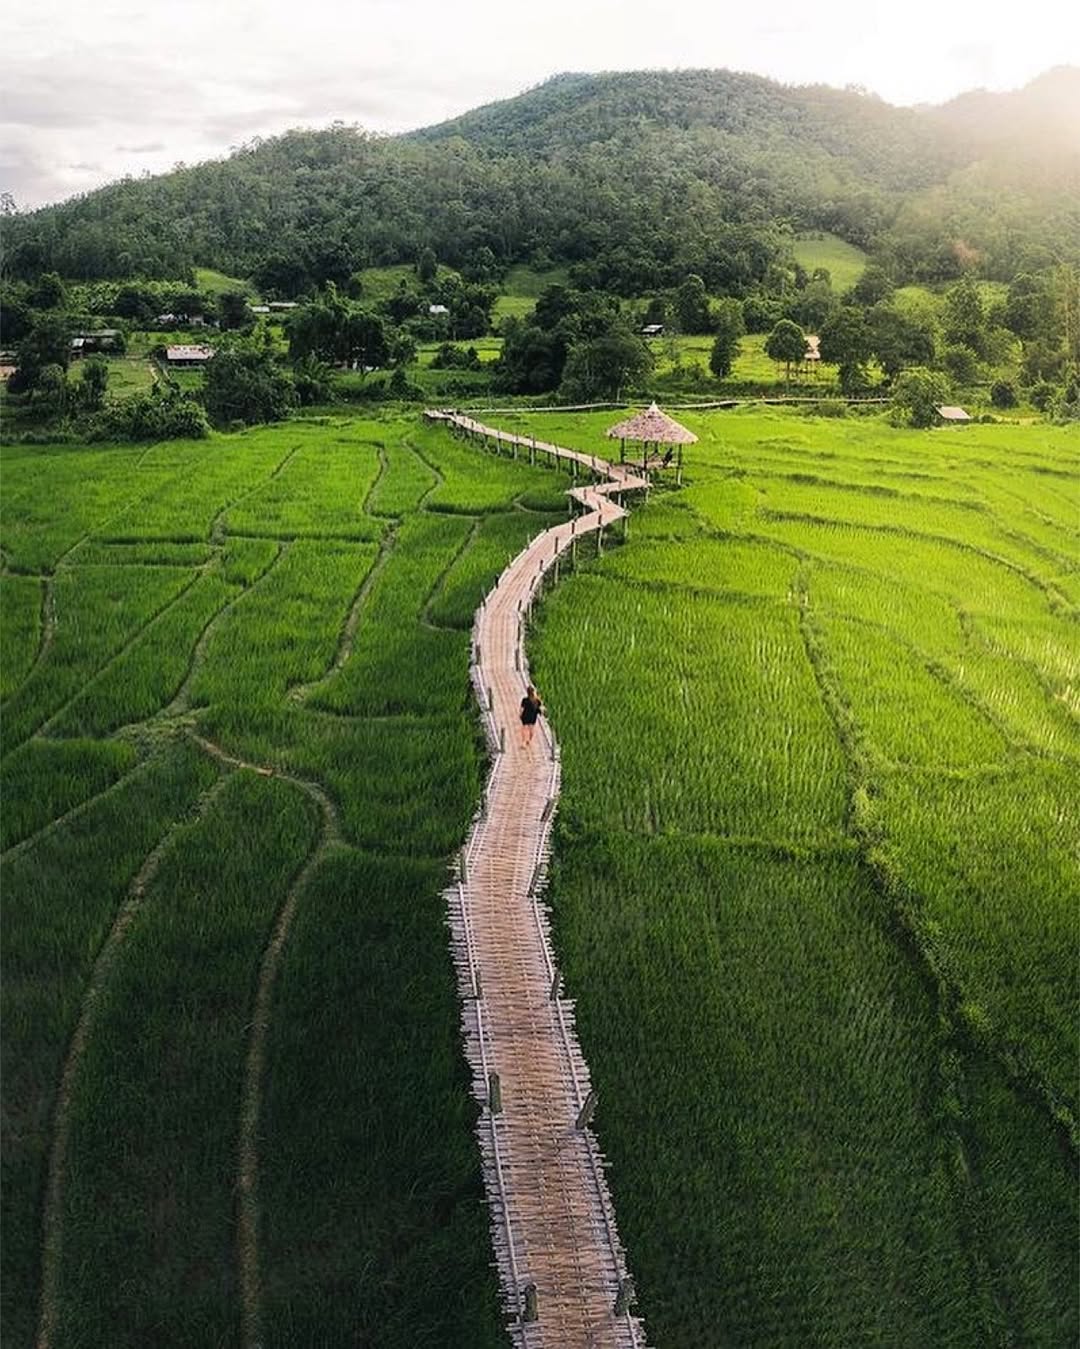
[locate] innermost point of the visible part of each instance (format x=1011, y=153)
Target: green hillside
x=635, y=178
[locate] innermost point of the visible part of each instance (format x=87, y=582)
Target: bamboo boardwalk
x=561, y=1268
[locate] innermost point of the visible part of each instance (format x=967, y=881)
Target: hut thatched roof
x=654, y=427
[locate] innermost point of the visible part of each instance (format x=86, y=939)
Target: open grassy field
x=814, y=883
x=843, y=261
x=239, y=749
x=521, y=287
x=813, y=892
x=217, y=283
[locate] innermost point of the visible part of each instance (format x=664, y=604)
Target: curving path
x=561, y=1267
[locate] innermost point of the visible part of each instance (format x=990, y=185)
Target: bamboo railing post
x=625, y=1296
x=588, y=1109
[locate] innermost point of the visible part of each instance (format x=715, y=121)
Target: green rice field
x=816, y=882
x=814, y=889
x=235, y=686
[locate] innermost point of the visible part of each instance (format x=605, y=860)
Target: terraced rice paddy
x=238, y=750
x=814, y=888
x=816, y=880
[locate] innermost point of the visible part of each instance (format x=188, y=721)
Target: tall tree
x=426, y=266
x=725, y=347
x=846, y=342
x=692, y=305
x=787, y=344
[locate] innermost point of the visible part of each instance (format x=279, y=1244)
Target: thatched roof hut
x=653, y=427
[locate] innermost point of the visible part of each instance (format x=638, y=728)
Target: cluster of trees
x=580, y=343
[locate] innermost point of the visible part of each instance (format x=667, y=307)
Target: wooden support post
x=478, y=988
x=573, y=554
x=530, y=1311
x=625, y=1297
x=678, y=471
x=491, y=699
x=549, y=806
x=464, y=869
x=556, y=571
x=517, y=658
x=502, y=739
x=532, y=451
x=494, y=1094
x=588, y=1109
x=600, y=541
x=556, y=985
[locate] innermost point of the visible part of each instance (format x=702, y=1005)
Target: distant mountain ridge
x=632, y=178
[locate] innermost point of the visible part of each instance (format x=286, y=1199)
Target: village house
x=948, y=413
x=103, y=339
x=188, y=355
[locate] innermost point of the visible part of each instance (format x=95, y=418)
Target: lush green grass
x=44, y=779
x=821, y=764
x=521, y=287
x=100, y=611
x=60, y=898
x=20, y=629
x=364, y=978
x=128, y=375
x=812, y=887
x=148, y=1229
x=844, y=261
x=217, y=283
x=229, y=584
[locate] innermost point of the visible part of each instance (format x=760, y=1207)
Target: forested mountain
x=635, y=179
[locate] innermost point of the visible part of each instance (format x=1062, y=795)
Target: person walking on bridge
x=531, y=707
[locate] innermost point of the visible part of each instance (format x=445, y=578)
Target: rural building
x=653, y=330
x=278, y=305
x=813, y=347
x=8, y=364
x=952, y=414
x=104, y=339
x=188, y=355
x=437, y=309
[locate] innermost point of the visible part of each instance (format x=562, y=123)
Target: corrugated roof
x=953, y=414
x=188, y=353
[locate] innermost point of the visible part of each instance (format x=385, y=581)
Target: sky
x=93, y=90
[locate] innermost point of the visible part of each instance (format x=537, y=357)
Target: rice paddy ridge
x=52, y=1218
x=561, y=1266
x=181, y=699
x=248, y=1158
x=300, y=692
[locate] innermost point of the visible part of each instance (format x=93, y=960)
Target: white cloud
x=138, y=87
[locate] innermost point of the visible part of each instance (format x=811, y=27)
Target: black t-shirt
x=530, y=710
